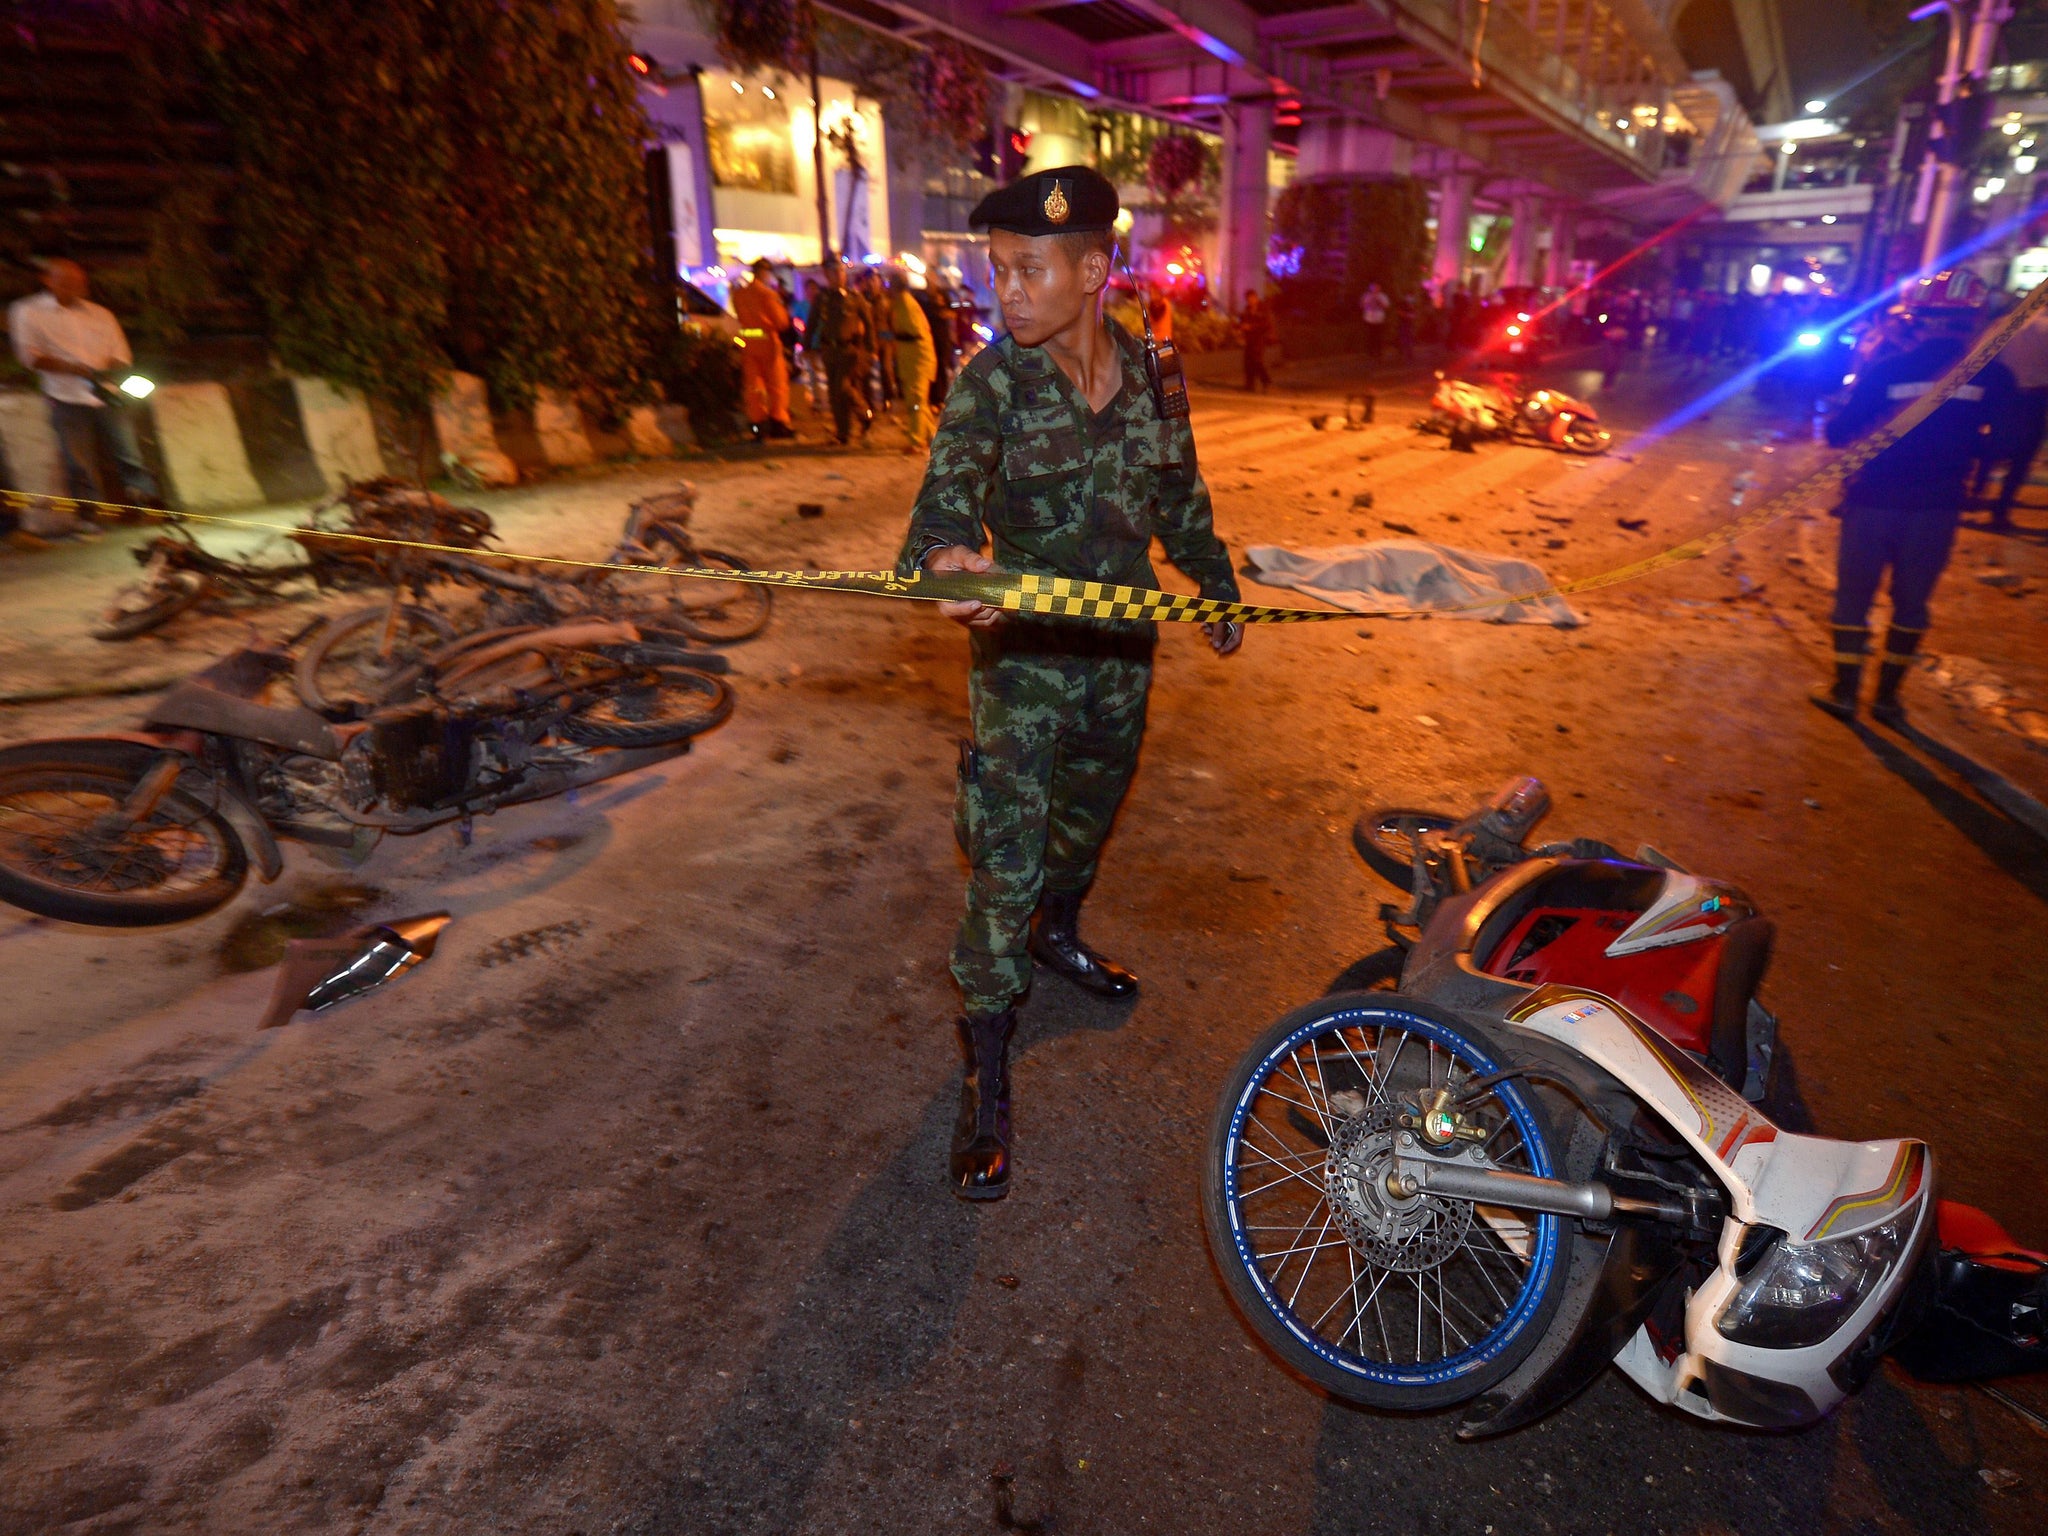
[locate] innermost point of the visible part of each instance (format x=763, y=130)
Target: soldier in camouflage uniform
x=1051, y=451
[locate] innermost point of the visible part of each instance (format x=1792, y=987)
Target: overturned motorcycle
x=1468, y=410
x=1487, y=1185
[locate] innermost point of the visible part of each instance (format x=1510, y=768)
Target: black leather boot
x=1899, y=648
x=1056, y=944
x=1852, y=644
x=981, y=1136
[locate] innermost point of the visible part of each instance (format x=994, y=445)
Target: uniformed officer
x=841, y=334
x=1053, y=452
x=1900, y=511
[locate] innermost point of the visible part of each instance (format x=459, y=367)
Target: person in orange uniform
x=764, y=372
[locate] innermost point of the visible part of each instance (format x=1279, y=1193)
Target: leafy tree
x=426, y=182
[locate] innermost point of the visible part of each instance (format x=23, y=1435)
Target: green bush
x=1350, y=234
x=426, y=182
x=701, y=374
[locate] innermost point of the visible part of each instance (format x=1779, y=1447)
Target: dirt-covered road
x=625, y=1212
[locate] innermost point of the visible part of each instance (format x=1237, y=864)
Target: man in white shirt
x=66, y=339
x=1372, y=309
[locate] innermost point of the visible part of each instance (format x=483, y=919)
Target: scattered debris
x=1393, y=527
x=1007, y=1282
x=810, y=509
x=1999, y=1479
x=1633, y=524
x=1809, y=802
x=1361, y=501
x=1428, y=720
x=318, y=973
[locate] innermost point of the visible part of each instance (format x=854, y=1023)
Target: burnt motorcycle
x=1471, y=410
x=179, y=573
x=161, y=824
x=1524, y=1143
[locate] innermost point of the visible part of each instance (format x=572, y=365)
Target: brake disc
x=1408, y=1234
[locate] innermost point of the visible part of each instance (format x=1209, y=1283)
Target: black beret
x=1067, y=200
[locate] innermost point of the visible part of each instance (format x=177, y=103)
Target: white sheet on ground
x=1414, y=576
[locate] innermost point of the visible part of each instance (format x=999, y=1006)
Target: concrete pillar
x=1557, y=266
x=202, y=447
x=29, y=443
x=1453, y=224
x=1246, y=220
x=339, y=430
x=1520, y=264
x=564, y=442
x=462, y=421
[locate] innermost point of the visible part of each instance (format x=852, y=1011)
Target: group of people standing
x=871, y=340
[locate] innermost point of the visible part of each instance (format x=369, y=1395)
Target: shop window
x=749, y=143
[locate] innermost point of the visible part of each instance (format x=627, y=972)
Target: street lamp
x=1815, y=107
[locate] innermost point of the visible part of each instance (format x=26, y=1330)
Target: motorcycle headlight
x=1799, y=1293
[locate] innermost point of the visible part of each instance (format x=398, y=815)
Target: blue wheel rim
x=1518, y=1303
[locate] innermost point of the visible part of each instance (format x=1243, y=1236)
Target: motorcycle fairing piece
x=318, y=973
x=1544, y=920
x=1821, y=1257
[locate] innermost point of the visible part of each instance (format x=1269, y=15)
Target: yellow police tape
x=1067, y=597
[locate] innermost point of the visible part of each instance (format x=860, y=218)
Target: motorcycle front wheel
x=1385, y=839
x=1583, y=436
x=1391, y=1303
x=63, y=855
x=148, y=605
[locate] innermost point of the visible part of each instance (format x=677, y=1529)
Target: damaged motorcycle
x=161, y=824
x=1542, y=1154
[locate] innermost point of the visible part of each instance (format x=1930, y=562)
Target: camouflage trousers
x=1056, y=738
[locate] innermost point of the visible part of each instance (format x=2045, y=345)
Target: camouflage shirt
x=1022, y=463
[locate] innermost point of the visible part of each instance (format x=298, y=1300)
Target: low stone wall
x=219, y=446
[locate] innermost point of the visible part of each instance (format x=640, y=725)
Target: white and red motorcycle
x=1467, y=410
x=1485, y=1187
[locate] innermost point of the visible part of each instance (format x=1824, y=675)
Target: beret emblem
x=1056, y=208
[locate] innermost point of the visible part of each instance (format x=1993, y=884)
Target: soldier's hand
x=958, y=557
x=1226, y=636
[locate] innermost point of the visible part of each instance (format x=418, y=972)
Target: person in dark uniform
x=1052, y=451
x=1899, y=512
x=840, y=332
x=1256, y=325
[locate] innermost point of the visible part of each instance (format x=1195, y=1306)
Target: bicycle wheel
x=717, y=612
x=355, y=660
x=1395, y=1302
x=651, y=707
x=58, y=858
